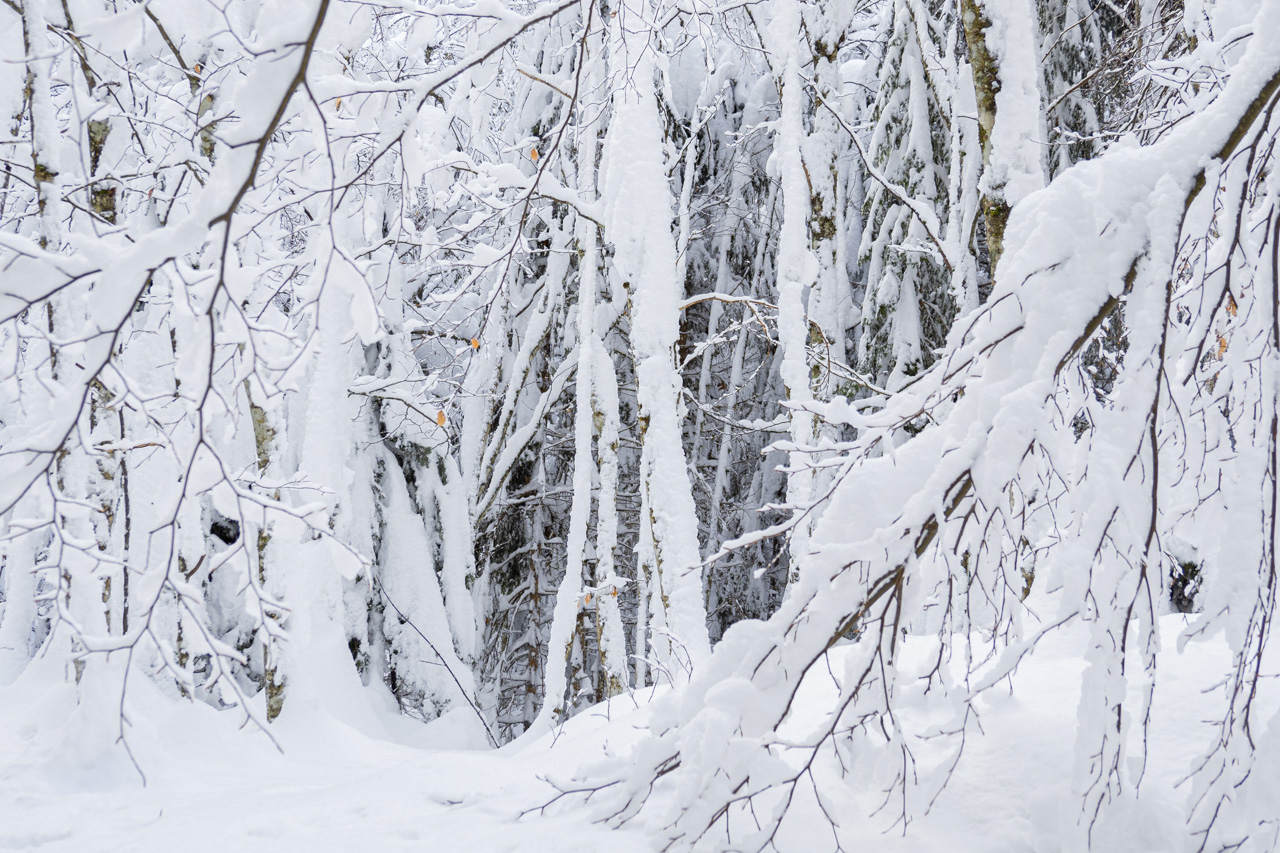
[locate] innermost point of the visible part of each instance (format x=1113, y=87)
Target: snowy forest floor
x=377, y=781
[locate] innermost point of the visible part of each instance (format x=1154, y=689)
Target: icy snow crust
x=394, y=784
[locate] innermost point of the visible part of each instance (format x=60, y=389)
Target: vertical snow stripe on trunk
x=638, y=219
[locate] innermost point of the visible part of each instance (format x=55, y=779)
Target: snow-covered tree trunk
x=1002, y=40
x=638, y=213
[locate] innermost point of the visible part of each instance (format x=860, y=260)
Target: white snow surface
x=395, y=784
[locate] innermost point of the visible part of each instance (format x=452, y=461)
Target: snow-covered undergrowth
x=368, y=779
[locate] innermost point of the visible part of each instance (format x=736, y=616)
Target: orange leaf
x=587, y=600
x=440, y=419
x=1222, y=345
x=533, y=153
x=475, y=344
x=1231, y=305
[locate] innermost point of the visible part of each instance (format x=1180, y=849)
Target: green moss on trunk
x=986, y=84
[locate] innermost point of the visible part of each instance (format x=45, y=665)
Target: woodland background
x=500, y=357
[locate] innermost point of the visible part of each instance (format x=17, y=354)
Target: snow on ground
x=215, y=786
